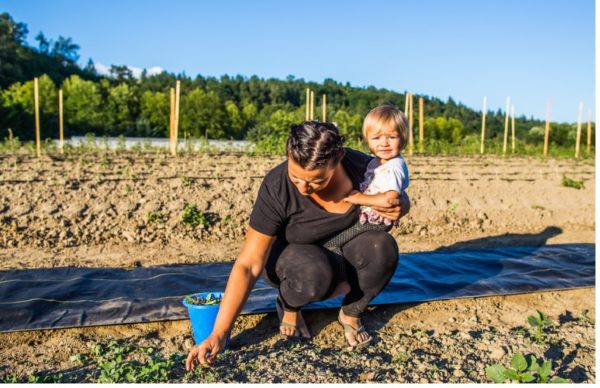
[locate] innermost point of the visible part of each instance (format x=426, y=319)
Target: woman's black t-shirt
x=280, y=210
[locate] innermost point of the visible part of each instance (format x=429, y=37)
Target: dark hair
x=313, y=144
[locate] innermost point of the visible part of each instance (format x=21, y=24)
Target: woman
x=299, y=205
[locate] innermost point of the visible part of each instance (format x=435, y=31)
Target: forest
x=225, y=107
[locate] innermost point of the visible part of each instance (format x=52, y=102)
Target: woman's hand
x=206, y=352
x=396, y=209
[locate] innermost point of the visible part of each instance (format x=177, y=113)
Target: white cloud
x=136, y=71
x=102, y=69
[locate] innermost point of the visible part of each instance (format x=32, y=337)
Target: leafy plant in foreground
x=523, y=372
x=114, y=364
x=539, y=323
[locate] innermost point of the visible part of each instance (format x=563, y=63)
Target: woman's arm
x=380, y=199
x=246, y=270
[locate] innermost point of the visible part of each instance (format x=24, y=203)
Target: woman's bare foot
x=354, y=331
x=291, y=323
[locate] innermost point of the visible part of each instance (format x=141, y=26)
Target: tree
x=82, y=105
x=202, y=114
x=12, y=51
x=121, y=73
x=235, y=119
x=155, y=109
x=121, y=107
x=66, y=51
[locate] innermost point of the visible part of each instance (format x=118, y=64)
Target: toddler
x=385, y=129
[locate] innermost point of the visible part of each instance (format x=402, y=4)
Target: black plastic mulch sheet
x=73, y=297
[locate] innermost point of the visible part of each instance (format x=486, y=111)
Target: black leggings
x=306, y=273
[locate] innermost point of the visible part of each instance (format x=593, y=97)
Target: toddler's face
x=385, y=144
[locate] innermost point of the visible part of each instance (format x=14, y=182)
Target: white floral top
x=380, y=178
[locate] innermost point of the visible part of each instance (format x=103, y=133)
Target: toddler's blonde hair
x=387, y=116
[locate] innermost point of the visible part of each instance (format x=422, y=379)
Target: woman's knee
x=374, y=247
x=308, y=267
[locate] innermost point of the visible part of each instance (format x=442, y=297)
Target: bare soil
x=125, y=210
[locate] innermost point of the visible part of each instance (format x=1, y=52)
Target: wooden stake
x=483, y=114
x=421, y=126
x=589, y=132
x=411, y=140
x=406, y=104
x=547, y=132
x=512, y=113
x=324, y=103
x=60, y=121
x=171, y=118
x=176, y=120
x=307, y=104
x=36, y=103
x=504, y=146
x=312, y=105
x=578, y=140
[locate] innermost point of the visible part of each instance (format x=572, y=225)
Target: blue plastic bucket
x=203, y=317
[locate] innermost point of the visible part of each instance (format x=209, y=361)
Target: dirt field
x=124, y=210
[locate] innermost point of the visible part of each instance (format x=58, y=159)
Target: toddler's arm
x=379, y=200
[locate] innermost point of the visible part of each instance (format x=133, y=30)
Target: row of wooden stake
x=310, y=105
x=173, y=119
x=511, y=108
x=310, y=108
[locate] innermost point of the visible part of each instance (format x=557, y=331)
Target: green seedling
x=44, y=379
x=523, y=372
x=112, y=362
x=154, y=217
x=210, y=300
x=193, y=217
x=80, y=358
x=583, y=316
x=538, y=324
x=9, y=379
x=568, y=182
x=188, y=181
x=401, y=358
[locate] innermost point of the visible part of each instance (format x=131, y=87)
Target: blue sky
x=530, y=50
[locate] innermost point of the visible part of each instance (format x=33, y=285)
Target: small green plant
x=209, y=300
x=583, y=316
x=188, y=181
x=154, y=217
x=45, y=379
x=9, y=379
x=401, y=358
x=112, y=363
x=538, y=324
x=568, y=182
x=453, y=207
x=193, y=217
x=523, y=372
x=121, y=146
x=80, y=358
